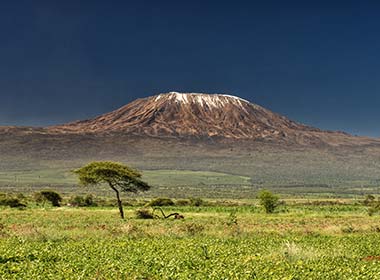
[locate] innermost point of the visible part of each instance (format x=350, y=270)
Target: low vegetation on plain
x=217, y=239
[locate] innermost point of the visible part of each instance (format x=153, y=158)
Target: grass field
x=35, y=161
x=303, y=240
x=154, y=177
x=180, y=184
x=172, y=183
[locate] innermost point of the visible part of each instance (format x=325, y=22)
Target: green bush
x=80, y=201
x=144, y=214
x=12, y=202
x=268, y=200
x=161, y=201
x=89, y=200
x=53, y=197
x=369, y=200
x=76, y=201
x=196, y=202
x=182, y=202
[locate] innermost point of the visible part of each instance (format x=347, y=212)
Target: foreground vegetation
x=303, y=239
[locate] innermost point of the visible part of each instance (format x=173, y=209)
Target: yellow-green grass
x=298, y=242
x=154, y=177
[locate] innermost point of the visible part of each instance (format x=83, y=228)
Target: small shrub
x=369, y=200
x=196, y=202
x=101, y=202
x=182, y=202
x=81, y=201
x=76, y=201
x=53, y=197
x=12, y=202
x=89, y=200
x=161, y=201
x=132, y=202
x=268, y=200
x=144, y=214
x=39, y=198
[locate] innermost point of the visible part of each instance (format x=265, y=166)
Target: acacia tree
x=118, y=176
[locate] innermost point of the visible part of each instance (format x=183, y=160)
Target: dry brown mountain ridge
x=200, y=116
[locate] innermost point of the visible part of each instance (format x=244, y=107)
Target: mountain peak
x=179, y=115
x=194, y=115
x=211, y=100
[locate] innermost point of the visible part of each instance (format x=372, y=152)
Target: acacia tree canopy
x=118, y=176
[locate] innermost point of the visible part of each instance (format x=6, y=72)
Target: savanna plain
x=305, y=238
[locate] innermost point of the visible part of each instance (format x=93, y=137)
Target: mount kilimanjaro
x=197, y=131
x=205, y=116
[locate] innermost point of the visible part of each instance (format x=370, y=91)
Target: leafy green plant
x=196, y=202
x=268, y=200
x=53, y=197
x=12, y=202
x=144, y=213
x=161, y=201
x=81, y=201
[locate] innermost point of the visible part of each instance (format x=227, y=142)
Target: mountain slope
x=197, y=115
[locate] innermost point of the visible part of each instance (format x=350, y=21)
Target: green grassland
x=34, y=161
x=302, y=240
x=182, y=184
x=154, y=177
x=311, y=236
x=172, y=183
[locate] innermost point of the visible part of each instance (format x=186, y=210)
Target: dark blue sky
x=317, y=62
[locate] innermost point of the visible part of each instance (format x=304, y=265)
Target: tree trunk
x=118, y=201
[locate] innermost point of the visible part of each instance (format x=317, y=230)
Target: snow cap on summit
x=212, y=100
